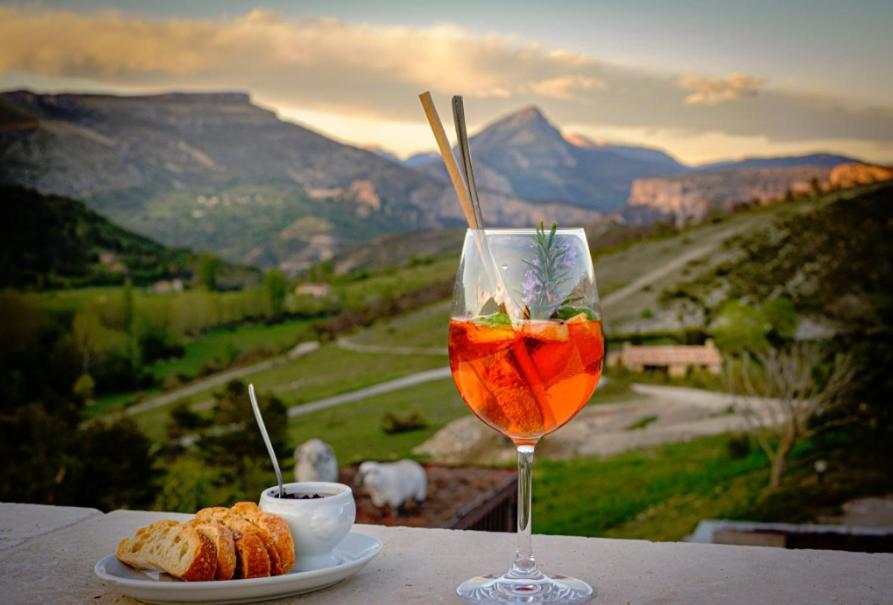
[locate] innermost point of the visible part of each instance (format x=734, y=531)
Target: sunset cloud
x=372, y=74
x=566, y=87
x=713, y=91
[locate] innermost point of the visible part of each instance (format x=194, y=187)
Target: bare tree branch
x=786, y=398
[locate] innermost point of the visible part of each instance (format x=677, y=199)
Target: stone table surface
x=425, y=565
x=20, y=522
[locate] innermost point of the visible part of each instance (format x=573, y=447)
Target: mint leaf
x=567, y=311
x=493, y=320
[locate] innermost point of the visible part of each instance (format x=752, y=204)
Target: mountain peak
x=528, y=122
x=530, y=114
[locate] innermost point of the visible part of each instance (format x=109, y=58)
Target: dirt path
x=336, y=400
x=662, y=414
x=349, y=345
x=378, y=389
x=653, y=276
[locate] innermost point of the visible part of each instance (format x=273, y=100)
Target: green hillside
x=50, y=242
x=833, y=263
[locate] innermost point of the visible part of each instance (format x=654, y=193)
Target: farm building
x=676, y=359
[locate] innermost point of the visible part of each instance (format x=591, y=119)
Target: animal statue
x=394, y=483
x=315, y=461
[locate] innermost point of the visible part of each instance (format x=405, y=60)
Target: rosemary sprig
x=547, y=273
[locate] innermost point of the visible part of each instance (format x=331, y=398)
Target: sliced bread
x=252, y=556
x=223, y=540
x=177, y=549
x=275, y=526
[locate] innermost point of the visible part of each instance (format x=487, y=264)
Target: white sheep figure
x=315, y=461
x=393, y=483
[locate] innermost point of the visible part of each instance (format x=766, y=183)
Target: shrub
x=641, y=423
x=393, y=423
x=738, y=446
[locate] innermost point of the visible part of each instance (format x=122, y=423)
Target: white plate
x=352, y=553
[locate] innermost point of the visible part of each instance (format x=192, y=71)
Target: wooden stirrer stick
x=446, y=151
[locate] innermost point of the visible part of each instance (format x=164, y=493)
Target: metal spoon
x=501, y=294
x=465, y=152
x=266, y=436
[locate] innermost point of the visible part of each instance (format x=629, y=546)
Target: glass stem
x=525, y=564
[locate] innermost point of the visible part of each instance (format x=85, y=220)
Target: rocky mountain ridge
x=525, y=155
x=690, y=197
x=213, y=171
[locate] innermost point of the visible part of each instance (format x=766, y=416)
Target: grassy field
x=331, y=370
x=354, y=430
x=662, y=493
x=223, y=345
x=218, y=347
x=426, y=327
x=352, y=290
x=323, y=373
x=658, y=493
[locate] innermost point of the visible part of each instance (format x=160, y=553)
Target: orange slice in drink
x=545, y=330
x=490, y=334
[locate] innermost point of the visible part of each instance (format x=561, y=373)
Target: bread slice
x=181, y=551
x=252, y=557
x=223, y=540
x=245, y=527
x=275, y=526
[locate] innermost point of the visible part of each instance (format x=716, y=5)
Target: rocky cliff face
x=688, y=198
x=216, y=172
x=525, y=155
x=857, y=173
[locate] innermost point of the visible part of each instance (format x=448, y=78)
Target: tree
x=815, y=186
x=788, y=391
x=127, y=312
x=84, y=387
x=234, y=438
x=740, y=327
x=128, y=318
x=208, y=265
x=781, y=318
x=183, y=421
x=275, y=290
x=87, y=329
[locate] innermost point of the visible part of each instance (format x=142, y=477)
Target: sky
x=702, y=80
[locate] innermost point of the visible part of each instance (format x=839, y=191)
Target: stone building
x=316, y=290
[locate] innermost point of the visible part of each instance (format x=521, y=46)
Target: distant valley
x=54, y=242
x=214, y=172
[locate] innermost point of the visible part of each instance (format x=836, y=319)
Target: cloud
x=565, y=87
x=263, y=46
x=374, y=72
x=713, y=91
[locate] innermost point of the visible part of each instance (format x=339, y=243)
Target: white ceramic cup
x=317, y=525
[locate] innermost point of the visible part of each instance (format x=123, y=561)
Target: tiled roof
x=664, y=355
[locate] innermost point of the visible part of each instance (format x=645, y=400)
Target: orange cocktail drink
x=528, y=379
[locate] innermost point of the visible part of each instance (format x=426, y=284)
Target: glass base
x=516, y=591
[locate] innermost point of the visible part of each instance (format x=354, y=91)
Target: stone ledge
x=425, y=565
x=21, y=522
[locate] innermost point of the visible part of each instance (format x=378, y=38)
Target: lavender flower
x=547, y=272
x=569, y=255
x=532, y=287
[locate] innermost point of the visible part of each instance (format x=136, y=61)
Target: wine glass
x=526, y=350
